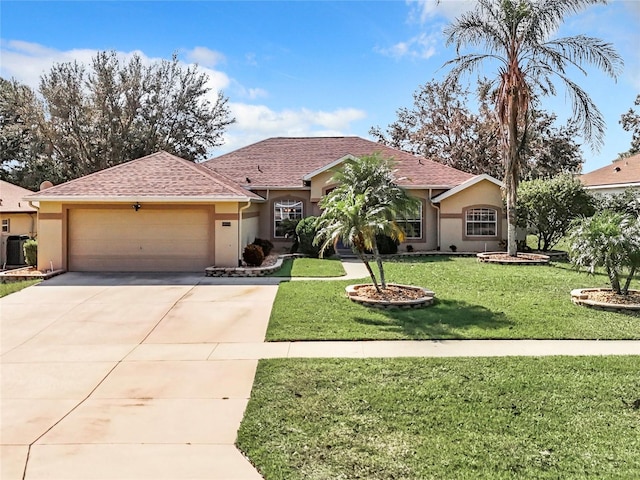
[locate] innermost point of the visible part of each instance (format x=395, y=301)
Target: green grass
x=475, y=418
x=310, y=267
x=473, y=300
x=8, y=288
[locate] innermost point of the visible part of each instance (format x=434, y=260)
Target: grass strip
x=8, y=288
x=310, y=267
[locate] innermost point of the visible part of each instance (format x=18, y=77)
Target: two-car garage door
x=147, y=240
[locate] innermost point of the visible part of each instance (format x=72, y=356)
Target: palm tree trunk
x=511, y=174
x=364, y=260
x=613, y=278
x=376, y=255
x=627, y=284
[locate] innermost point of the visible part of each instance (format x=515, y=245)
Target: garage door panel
x=147, y=240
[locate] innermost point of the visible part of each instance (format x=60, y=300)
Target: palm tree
x=517, y=36
x=610, y=240
x=366, y=202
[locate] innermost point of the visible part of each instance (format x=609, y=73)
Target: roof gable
x=157, y=177
x=288, y=162
x=463, y=186
x=12, y=199
x=625, y=171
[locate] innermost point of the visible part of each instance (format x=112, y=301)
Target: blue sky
x=301, y=68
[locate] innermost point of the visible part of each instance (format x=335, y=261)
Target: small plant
x=253, y=255
x=30, y=249
x=409, y=248
x=266, y=245
x=453, y=248
x=307, y=230
x=609, y=240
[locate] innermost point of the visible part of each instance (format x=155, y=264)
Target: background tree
x=516, y=36
x=91, y=118
x=630, y=122
x=546, y=207
x=367, y=202
x=440, y=126
x=627, y=202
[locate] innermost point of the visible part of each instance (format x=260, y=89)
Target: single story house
x=163, y=213
x=18, y=219
x=615, y=177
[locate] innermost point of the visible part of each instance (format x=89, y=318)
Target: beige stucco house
x=163, y=213
x=18, y=219
x=615, y=177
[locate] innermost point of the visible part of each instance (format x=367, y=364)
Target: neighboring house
x=163, y=213
x=615, y=177
x=19, y=219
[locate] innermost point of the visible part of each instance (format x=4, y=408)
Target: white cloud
x=204, y=56
x=422, y=10
x=26, y=62
x=257, y=122
x=421, y=46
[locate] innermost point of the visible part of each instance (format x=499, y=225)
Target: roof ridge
x=114, y=167
x=213, y=175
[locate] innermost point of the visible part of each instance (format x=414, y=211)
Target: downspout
x=437, y=220
x=240, y=231
x=34, y=217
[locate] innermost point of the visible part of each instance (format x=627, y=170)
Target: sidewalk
x=424, y=348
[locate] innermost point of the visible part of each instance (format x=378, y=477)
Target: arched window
x=481, y=222
x=285, y=210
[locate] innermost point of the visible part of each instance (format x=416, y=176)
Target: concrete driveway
x=115, y=377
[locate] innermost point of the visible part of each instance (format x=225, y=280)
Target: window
x=412, y=226
x=285, y=210
x=5, y=225
x=482, y=222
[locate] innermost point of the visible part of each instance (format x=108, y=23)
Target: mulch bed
x=392, y=293
x=609, y=297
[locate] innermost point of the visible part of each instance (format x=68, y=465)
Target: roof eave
x=142, y=198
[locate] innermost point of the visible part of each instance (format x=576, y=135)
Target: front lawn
x=475, y=418
x=7, y=288
x=473, y=300
x=310, y=267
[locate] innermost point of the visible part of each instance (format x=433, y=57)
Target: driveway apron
x=114, y=377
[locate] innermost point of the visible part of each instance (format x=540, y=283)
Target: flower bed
x=26, y=273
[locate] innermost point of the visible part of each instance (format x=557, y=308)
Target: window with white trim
x=412, y=225
x=285, y=210
x=5, y=225
x=481, y=222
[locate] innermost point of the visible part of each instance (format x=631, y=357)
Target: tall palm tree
x=517, y=37
x=366, y=202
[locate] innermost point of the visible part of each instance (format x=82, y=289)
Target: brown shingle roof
x=623, y=171
x=283, y=162
x=160, y=175
x=11, y=199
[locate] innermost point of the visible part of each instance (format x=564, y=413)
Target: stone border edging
x=11, y=276
x=579, y=296
x=425, y=301
x=250, y=271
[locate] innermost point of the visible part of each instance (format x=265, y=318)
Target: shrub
x=609, y=240
x=307, y=232
x=30, y=249
x=266, y=245
x=386, y=245
x=253, y=255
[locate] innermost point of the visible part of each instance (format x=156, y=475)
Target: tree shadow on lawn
x=444, y=319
